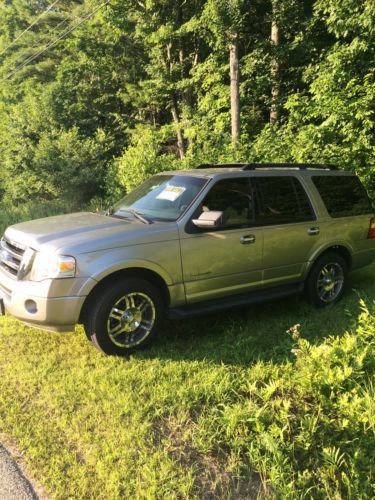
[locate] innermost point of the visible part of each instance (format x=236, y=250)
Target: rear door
x=226, y=260
x=290, y=229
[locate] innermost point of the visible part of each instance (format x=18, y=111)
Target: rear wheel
x=125, y=317
x=326, y=283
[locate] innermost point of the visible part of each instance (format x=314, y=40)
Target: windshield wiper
x=139, y=215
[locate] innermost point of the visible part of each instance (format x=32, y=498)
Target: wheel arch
x=133, y=272
x=341, y=250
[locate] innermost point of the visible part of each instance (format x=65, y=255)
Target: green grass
x=218, y=407
x=227, y=406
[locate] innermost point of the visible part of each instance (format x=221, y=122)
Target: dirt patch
x=215, y=477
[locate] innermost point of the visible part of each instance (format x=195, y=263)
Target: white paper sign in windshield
x=171, y=193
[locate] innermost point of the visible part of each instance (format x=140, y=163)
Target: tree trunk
x=190, y=91
x=174, y=108
x=234, y=89
x=275, y=67
x=177, y=124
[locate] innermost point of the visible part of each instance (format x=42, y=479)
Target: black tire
x=327, y=280
x=125, y=317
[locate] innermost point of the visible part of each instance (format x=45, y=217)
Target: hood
x=88, y=232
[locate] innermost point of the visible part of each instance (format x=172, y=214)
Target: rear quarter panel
x=348, y=232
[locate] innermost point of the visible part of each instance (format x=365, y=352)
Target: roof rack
x=301, y=166
x=221, y=165
x=253, y=166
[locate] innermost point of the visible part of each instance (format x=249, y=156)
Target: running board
x=256, y=297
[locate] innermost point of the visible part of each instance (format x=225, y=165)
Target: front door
x=226, y=260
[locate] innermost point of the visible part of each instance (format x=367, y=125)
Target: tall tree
x=235, y=105
x=169, y=35
x=227, y=19
x=275, y=65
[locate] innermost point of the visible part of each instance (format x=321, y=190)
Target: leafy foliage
x=141, y=86
x=141, y=159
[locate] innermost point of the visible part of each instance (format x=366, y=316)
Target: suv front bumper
x=51, y=304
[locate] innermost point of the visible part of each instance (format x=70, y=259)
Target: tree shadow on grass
x=258, y=333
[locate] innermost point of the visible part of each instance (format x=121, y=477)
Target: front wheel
x=125, y=317
x=327, y=280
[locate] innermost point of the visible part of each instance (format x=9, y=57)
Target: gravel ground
x=13, y=484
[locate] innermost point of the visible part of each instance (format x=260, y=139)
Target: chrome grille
x=11, y=254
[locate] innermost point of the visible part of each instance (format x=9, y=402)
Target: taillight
x=371, y=231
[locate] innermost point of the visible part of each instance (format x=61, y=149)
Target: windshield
x=163, y=197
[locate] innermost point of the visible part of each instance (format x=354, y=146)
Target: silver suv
x=186, y=243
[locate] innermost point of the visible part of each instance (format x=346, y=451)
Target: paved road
x=13, y=484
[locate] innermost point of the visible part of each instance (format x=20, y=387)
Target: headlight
x=49, y=266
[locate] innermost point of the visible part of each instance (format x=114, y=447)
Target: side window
x=281, y=200
x=343, y=195
x=233, y=198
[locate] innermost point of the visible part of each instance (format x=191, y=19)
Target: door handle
x=247, y=239
x=313, y=231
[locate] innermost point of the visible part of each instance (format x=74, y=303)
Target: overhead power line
x=69, y=19
x=54, y=42
x=29, y=27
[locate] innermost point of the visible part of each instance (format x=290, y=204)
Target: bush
x=11, y=214
x=305, y=426
x=141, y=159
x=62, y=165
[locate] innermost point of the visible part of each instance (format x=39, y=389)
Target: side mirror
x=209, y=219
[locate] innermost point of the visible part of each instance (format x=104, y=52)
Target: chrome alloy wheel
x=330, y=282
x=131, y=319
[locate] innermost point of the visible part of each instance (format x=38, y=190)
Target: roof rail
x=221, y=165
x=254, y=166
x=301, y=166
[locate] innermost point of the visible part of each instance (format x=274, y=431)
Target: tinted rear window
x=343, y=196
x=281, y=200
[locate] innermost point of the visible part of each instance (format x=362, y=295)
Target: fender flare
x=124, y=266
